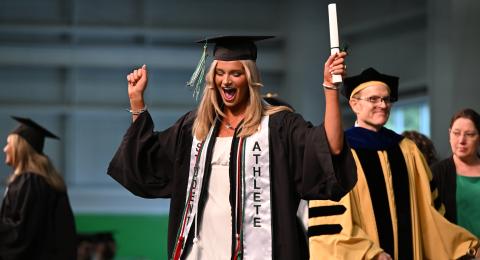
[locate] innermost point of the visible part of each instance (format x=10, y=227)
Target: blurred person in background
x=36, y=220
x=97, y=246
x=458, y=176
x=424, y=144
x=274, y=100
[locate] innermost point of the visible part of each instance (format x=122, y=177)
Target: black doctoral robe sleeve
x=318, y=173
x=145, y=161
x=36, y=222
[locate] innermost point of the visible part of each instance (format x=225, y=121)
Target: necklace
x=228, y=125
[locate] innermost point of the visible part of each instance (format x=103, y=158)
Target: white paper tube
x=334, y=42
x=332, y=21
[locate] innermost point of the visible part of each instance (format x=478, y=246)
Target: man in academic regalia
x=236, y=167
x=389, y=214
x=36, y=220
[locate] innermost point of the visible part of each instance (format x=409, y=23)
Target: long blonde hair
x=26, y=159
x=211, y=103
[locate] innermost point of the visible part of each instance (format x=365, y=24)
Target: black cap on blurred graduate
x=226, y=48
x=33, y=133
x=274, y=100
x=370, y=77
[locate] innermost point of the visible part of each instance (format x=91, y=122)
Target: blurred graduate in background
x=36, y=220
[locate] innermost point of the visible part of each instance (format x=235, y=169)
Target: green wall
x=138, y=237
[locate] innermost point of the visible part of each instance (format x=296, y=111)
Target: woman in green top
x=458, y=177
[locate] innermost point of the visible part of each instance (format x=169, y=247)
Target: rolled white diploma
x=334, y=43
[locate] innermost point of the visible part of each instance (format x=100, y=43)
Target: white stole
x=253, y=157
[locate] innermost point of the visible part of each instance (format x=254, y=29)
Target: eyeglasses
x=376, y=99
x=468, y=135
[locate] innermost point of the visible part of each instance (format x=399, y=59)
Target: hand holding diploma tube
x=334, y=42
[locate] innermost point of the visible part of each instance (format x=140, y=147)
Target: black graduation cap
x=370, y=74
x=33, y=133
x=228, y=48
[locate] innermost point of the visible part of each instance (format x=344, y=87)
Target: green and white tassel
x=196, y=81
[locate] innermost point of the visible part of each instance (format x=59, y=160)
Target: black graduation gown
x=156, y=165
x=36, y=221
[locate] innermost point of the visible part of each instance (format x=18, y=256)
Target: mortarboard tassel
x=195, y=82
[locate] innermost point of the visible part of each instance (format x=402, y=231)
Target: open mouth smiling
x=229, y=93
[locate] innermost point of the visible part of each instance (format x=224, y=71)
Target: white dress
x=215, y=234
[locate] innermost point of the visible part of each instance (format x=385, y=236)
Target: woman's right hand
x=137, y=83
